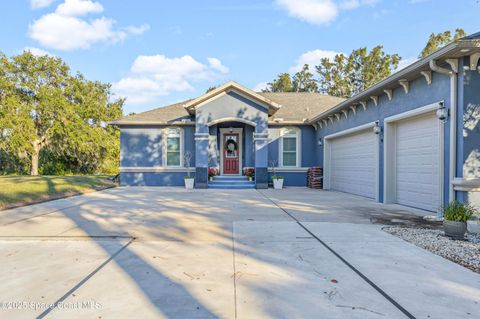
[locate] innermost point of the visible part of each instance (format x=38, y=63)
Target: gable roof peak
x=191, y=105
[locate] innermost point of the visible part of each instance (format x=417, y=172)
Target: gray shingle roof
x=300, y=106
x=295, y=108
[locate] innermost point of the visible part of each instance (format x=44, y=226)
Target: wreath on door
x=231, y=145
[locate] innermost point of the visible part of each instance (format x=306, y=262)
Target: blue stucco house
x=411, y=139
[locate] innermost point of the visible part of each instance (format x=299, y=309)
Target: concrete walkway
x=171, y=253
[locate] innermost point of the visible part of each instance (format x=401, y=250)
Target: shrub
x=249, y=171
x=212, y=171
x=458, y=212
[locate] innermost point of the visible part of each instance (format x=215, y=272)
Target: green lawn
x=18, y=190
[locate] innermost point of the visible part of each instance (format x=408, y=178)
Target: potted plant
x=212, y=172
x=455, y=216
x=249, y=172
x=277, y=181
x=189, y=181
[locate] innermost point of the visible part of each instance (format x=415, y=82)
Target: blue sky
x=160, y=52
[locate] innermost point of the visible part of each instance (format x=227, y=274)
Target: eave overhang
x=146, y=123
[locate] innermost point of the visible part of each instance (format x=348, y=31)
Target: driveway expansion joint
x=84, y=280
x=343, y=260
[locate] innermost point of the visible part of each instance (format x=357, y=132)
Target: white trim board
x=164, y=146
x=298, y=146
x=351, y=130
x=239, y=130
x=412, y=113
x=154, y=169
x=289, y=169
x=241, y=90
x=231, y=119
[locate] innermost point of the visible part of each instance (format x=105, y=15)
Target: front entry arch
x=231, y=119
x=231, y=149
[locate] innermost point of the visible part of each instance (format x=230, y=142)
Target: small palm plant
x=458, y=212
x=277, y=180
x=189, y=181
x=456, y=215
x=187, y=157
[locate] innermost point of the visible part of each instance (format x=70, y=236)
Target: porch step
x=230, y=178
x=231, y=182
x=231, y=186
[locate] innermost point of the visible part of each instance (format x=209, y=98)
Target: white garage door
x=418, y=162
x=353, y=163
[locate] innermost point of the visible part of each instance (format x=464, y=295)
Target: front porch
x=231, y=132
x=230, y=147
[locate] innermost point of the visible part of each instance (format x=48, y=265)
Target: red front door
x=230, y=153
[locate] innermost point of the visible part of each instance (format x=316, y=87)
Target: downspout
x=453, y=122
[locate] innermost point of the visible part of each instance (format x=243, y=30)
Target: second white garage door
x=418, y=162
x=353, y=163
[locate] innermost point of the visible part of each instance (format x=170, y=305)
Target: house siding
x=308, y=154
x=296, y=179
x=468, y=124
x=142, y=146
x=153, y=179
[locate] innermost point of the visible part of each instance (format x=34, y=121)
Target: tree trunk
x=35, y=158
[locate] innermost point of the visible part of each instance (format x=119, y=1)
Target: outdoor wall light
x=377, y=129
x=442, y=112
x=320, y=142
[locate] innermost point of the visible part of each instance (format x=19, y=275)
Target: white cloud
x=154, y=76
x=137, y=30
x=312, y=58
x=64, y=30
x=37, y=51
x=320, y=11
x=78, y=8
x=37, y=4
x=354, y=4
x=216, y=64
x=69, y=33
x=260, y=86
x=312, y=11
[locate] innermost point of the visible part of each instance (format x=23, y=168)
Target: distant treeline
x=53, y=122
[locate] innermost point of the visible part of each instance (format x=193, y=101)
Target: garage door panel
x=353, y=164
x=417, y=169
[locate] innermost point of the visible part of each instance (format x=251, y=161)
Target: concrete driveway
x=171, y=253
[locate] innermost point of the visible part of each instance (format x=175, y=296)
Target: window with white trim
x=173, y=149
x=289, y=148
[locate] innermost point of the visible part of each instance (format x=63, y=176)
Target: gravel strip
x=463, y=252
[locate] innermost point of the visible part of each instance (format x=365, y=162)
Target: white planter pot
x=250, y=179
x=189, y=183
x=278, y=183
x=473, y=226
